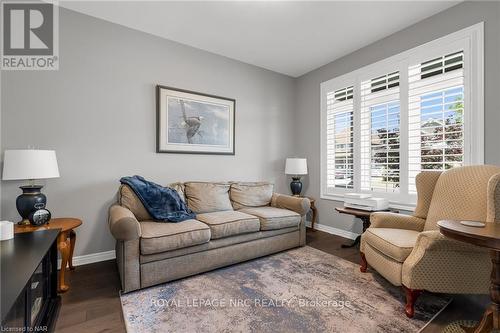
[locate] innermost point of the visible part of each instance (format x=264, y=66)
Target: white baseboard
x=333, y=230
x=91, y=258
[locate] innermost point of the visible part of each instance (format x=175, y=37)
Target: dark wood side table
x=363, y=215
x=65, y=242
x=489, y=237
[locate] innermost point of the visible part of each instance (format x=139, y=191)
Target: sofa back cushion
x=128, y=199
x=460, y=194
x=251, y=194
x=207, y=197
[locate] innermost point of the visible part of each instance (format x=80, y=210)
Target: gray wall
x=98, y=113
x=451, y=20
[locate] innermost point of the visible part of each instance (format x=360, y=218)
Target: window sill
x=392, y=204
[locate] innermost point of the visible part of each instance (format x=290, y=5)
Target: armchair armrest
x=297, y=204
x=123, y=224
x=433, y=240
x=396, y=221
x=444, y=265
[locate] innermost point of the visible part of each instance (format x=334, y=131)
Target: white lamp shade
x=296, y=166
x=29, y=164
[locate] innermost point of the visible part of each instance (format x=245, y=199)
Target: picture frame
x=190, y=122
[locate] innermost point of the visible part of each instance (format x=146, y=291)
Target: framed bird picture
x=189, y=122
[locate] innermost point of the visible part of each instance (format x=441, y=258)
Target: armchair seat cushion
x=394, y=243
x=272, y=218
x=160, y=237
x=229, y=223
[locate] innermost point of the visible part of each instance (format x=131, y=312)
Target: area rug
x=301, y=290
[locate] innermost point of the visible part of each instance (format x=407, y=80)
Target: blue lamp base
x=31, y=200
x=296, y=186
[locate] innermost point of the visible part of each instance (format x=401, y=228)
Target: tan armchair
x=409, y=250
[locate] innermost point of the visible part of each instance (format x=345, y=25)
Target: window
x=436, y=109
x=419, y=110
x=340, y=138
x=380, y=133
x=441, y=65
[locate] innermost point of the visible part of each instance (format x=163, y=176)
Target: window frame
x=471, y=40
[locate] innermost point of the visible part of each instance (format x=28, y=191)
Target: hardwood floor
x=463, y=307
x=92, y=303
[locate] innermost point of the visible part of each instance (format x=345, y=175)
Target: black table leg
x=366, y=224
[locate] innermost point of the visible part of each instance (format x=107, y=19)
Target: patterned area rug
x=301, y=290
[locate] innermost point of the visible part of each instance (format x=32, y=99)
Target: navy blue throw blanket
x=162, y=203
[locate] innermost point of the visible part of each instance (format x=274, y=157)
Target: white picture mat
x=165, y=146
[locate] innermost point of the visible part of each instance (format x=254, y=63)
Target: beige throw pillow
x=207, y=197
x=128, y=199
x=251, y=194
x=179, y=188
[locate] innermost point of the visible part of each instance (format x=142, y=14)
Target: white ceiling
x=292, y=38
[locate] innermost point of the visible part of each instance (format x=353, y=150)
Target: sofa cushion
x=160, y=237
x=229, y=223
x=128, y=199
x=394, y=243
x=250, y=194
x=218, y=243
x=207, y=197
x=273, y=218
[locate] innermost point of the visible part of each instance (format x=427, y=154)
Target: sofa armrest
x=396, y=221
x=123, y=224
x=296, y=204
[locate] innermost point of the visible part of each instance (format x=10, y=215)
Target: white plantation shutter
x=380, y=134
x=340, y=139
x=422, y=109
x=436, y=115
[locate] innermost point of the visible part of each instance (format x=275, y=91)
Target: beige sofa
x=234, y=222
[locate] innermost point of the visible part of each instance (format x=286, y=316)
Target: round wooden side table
x=65, y=242
x=489, y=237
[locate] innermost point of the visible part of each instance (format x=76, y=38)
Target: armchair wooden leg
x=363, y=265
x=411, y=297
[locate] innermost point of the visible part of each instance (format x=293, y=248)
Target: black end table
x=29, y=299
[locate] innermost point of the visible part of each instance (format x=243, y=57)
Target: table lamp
x=30, y=164
x=296, y=167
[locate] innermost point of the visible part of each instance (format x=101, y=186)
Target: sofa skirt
x=166, y=270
